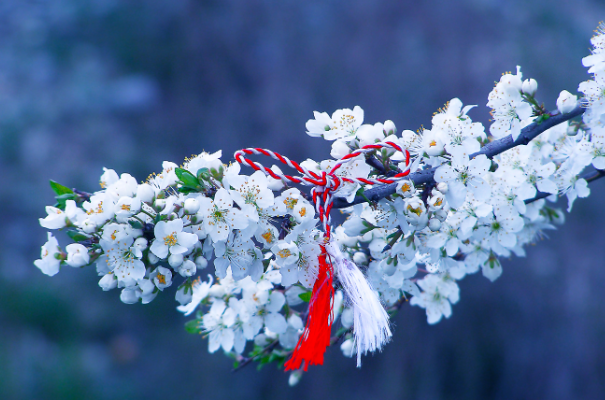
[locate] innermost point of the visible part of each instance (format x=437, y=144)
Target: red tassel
x=316, y=337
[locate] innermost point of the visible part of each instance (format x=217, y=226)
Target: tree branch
x=490, y=150
x=588, y=176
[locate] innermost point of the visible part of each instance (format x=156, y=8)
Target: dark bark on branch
x=374, y=163
x=490, y=150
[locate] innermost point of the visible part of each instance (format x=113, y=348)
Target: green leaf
x=192, y=326
x=306, y=297
x=187, y=178
x=60, y=189
x=77, y=236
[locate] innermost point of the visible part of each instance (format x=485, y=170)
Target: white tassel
x=370, y=319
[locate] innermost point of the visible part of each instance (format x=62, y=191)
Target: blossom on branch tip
x=342, y=124
x=49, y=263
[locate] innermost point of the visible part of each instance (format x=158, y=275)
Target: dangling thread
x=315, y=339
x=370, y=320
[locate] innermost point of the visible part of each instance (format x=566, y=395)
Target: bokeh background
x=86, y=84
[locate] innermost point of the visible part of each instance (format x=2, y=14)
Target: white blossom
x=49, y=263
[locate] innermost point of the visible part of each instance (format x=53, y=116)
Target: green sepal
x=218, y=175
x=192, y=326
x=368, y=226
x=306, y=297
x=542, y=118
x=203, y=174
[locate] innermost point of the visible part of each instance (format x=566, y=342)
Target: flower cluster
x=262, y=236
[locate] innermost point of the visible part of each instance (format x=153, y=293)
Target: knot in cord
x=326, y=183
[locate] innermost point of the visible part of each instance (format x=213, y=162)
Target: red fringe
x=316, y=337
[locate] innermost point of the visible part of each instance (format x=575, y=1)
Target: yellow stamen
x=284, y=253
x=268, y=236
x=170, y=240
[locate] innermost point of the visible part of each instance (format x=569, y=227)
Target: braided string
x=315, y=339
x=326, y=183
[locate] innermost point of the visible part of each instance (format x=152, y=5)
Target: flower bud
x=529, y=87
x=348, y=348
x=160, y=204
x=188, y=268
x=261, y=340
x=347, y=318
x=201, y=262
x=441, y=215
x=108, y=282
x=566, y=102
x=129, y=296
x=389, y=128
x=442, y=187
x=434, y=224
x=340, y=148
x=191, y=206
x=294, y=378
x=145, y=193
x=88, y=226
x=140, y=243
x=77, y=255
x=153, y=259
x=175, y=260
x=275, y=184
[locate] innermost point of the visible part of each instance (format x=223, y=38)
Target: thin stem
x=248, y=360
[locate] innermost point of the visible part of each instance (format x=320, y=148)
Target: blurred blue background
x=129, y=84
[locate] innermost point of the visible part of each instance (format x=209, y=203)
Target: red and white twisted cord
x=326, y=183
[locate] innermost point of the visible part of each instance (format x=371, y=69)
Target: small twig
x=85, y=196
x=248, y=360
x=374, y=163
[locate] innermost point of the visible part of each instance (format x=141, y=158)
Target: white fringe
x=370, y=319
